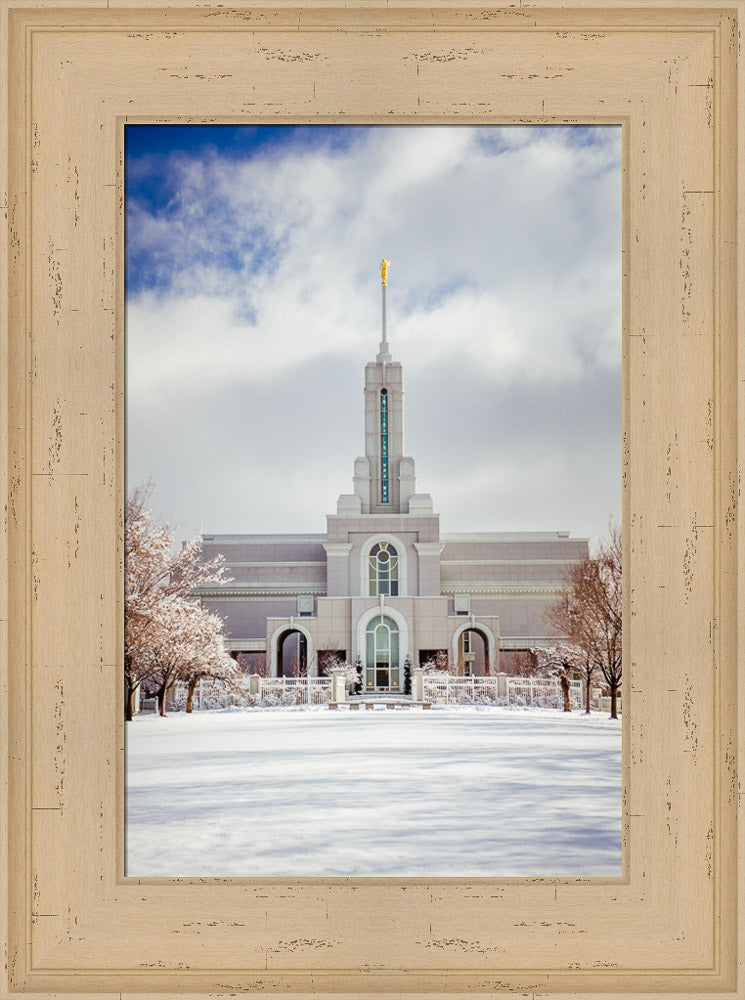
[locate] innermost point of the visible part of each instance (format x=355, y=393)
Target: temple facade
x=382, y=588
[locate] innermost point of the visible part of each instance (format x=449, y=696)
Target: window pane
x=382, y=637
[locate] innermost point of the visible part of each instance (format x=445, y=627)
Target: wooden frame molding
x=670, y=927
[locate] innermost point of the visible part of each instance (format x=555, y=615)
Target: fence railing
x=294, y=690
x=543, y=691
x=439, y=689
x=254, y=690
x=446, y=689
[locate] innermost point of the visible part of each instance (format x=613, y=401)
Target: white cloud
x=506, y=251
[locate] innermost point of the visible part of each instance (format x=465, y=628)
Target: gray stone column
x=417, y=684
x=338, y=686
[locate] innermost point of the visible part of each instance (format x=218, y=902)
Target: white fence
x=209, y=693
x=254, y=690
x=293, y=691
x=439, y=689
x=544, y=691
x=446, y=689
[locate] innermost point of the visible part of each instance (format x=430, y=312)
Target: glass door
x=382, y=672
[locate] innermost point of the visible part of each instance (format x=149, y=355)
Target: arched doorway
x=473, y=649
x=382, y=655
x=292, y=654
x=473, y=653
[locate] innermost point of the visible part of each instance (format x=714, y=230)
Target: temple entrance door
x=292, y=654
x=382, y=666
x=473, y=653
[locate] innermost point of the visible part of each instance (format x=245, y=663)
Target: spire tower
x=384, y=355
x=384, y=477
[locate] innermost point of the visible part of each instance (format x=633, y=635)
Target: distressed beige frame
x=670, y=927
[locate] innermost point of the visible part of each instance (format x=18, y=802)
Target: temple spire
x=384, y=355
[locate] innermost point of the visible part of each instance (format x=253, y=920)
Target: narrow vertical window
x=384, y=446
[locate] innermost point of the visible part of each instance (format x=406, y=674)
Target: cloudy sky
x=253, y=304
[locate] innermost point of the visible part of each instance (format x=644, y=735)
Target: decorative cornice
x=508, y=562
x=338, y=548
x=429, y=548
x=375, y=515
x=268, y=564
x=246, y=645
x=511, y=536
x=260, y=539
x=503, y=591
x=290, y=590
x=261, y=590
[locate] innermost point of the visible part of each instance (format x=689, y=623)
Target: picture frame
x=669, y=927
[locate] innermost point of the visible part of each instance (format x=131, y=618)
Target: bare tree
x=586, y=667
x=523, y=663
x=589, y=613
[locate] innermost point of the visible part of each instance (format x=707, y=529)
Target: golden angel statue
x=384, y=270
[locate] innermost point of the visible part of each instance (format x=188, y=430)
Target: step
x=371, y=703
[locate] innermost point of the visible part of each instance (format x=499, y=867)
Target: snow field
x=448, y=792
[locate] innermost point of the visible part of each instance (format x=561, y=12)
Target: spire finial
x=384, y=355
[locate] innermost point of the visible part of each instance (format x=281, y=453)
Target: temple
x=383, y=588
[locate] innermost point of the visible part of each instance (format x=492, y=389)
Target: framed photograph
x=269, y=345
x=669, y=926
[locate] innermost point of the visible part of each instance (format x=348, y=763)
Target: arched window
x=383, y=570
x=382, y=671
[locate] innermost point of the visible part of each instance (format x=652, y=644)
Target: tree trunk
x=162, y=700
x=130, y=703
x=190, y=695
x=588, y=679
x=564, y=681
x=614, y=702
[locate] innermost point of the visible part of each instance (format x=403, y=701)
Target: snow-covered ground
x=450, y=792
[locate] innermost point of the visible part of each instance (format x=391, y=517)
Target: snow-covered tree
x=351, y=676
x=574, y=661
x=560, y=662
x=437, y=664
x=589, y=612
x=193, y=648
x=211, y=659
x=156, y=573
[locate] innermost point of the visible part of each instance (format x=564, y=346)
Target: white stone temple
x=383, y=588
